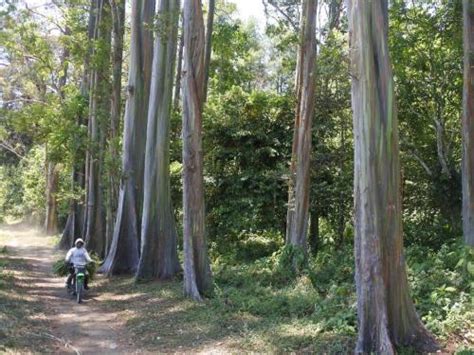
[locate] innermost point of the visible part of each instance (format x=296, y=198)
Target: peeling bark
x=98, y=122
x=197, y=271
x=159, y=257
x=299, y=182
x=118, y=28
x=468, y=125
x=123, y=255
x=386, y=314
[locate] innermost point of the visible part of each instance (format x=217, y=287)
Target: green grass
x=259, y=306
x=21, y=316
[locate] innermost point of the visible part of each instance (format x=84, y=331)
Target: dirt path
x=80, y=328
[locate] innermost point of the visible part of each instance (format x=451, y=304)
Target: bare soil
x=69, y=327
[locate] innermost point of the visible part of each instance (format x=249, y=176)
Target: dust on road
x=75, y=328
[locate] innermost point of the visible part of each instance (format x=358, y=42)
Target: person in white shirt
x=78, y=257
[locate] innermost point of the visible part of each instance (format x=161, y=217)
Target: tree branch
x=281, y=12
x=50, y=19
x=10, y=149
x=417, y=156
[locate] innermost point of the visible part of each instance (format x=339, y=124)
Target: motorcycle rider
x=78, y=257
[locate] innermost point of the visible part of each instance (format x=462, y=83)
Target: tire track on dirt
x=75, y=328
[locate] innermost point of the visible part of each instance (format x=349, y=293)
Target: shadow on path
x=80, y=328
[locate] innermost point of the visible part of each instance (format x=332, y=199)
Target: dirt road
x=74, y=328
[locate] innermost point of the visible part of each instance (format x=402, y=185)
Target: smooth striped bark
x=123, y=255
x=299, y=182
x=159, y=256
x=386, y=314
x=99, y=116
x=468, y=125
x=113, y=177
x=179, y=69
x=75, y=222
x=210, y=24
x=197, y=271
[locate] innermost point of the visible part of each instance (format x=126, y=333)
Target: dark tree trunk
x=314, y=232
x=298, y=195
x=64, y=66
x=341, y=225
x=159, y=256
x=197, y=271
x=468, y=125
x=386, y=314
x=51, y=220
x=334, y=16
x=73, y=228
x=123, y=255
x=98, y=122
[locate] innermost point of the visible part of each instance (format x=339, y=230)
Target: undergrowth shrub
x=255, y=245
x=322, y=292
x=270, y=287
x=441, y=287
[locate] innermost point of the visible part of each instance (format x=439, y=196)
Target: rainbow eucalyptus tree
x=468, y=124
x=74, y=224
x=298, y=195
x=123, y=255
x=209, y=26
x=177, y=85
x=99, y=113
x=113, y=183
x=197, y=271
x=386, y=314
x=159, y=257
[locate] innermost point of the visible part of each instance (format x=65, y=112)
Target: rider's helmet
x=79, y=241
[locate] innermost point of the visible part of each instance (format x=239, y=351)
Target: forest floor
x=36, y=313
x=248, y=314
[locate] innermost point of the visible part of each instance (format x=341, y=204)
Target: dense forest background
x=248, y=122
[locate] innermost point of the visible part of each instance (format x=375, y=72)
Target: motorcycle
x=76, y=288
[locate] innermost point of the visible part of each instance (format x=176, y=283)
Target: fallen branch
x=62, y=341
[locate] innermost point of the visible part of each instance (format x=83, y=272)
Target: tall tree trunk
x=75, y=222
x=341, y=225
x=468, y=125
x=298, y=195
x=73, y=227
x=118, y=27
x=210, y=25
x=314, y=232
x=177, y=86
x=159, y=256
x=334, y=16
x=99, y=119
x=197, y=271
x=51, y=220
x=386, y=314
x=123, y=255
x=64, y=66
